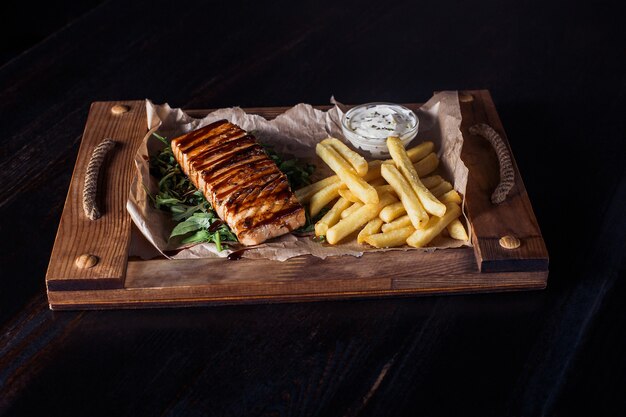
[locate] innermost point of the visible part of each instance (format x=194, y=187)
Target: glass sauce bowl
x=367, y=126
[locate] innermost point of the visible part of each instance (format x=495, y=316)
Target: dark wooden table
x=558, y=78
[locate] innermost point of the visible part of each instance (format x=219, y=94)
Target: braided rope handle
x=90, y=206
x=507, y=175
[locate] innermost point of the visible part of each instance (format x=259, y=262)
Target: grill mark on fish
x=266, y=213
x=256, y=188
x=245, y=170
x=277, y=215
x=194, y=139
x=249, y=207
x=232, y=159
x=197, y=141
x=260, y=189
x=260, y=212
x=213, y=176
x=208, y=142
x=186, y=141
x=236, y=215
x=243, y=184
x=259, y=168
x=239, y=162
x=220, y=151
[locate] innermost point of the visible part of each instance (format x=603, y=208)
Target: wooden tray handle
x=90, y=189
x=507, y=175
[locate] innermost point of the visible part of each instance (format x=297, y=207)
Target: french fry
x=350, y=213
x=432, y=181
x=451, y=197
x=353, y=207
x=390, y=239
x=357, y=219
x=423, y=167
x=395, y=210
x=332, y=217
x=427, y=165
x=435, y=225
x=356, y=184
x=457, y=231
x=400, y=157
x=320, y=199
x=349, y=195
x=398, y=223
x=411, y=203
x=304, y=194
x=441, y=189
x=380, y=189
x=392, y=211
x=418, y=152
x=372, y=227
x=357, y=161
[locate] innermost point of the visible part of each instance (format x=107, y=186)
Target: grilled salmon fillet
x=244, y=186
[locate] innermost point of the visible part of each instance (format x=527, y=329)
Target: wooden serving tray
x=119, y=282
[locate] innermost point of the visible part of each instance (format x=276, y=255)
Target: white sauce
x=378, y=121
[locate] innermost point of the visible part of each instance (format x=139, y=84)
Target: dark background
x=25, y=25
x=557, y=74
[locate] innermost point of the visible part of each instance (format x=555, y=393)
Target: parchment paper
x=295, y=132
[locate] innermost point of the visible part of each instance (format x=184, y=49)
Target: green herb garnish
x=298, y=173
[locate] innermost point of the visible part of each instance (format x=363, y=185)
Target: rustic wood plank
x=473, y=282
x=189, y=282
x=490, y=222
x=310, y=269
x=297, y=290
x=107, y=238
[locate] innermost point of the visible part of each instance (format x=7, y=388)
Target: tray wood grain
x=490, y=222
x=119, y=282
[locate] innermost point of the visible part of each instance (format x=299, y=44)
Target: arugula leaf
x=183, y=212
x=198, y=221
x=162, y=200
x=161, y=138
x=199, y=236
x=298, y=173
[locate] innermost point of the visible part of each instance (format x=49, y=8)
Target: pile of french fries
x=390, y=203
